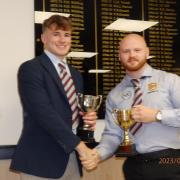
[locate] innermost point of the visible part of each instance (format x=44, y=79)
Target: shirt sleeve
x=112, y=135
x=171, y=116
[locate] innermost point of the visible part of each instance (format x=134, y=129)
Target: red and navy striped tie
x=70, y=90
x=137, y=100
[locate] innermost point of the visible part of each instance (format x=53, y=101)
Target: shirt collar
x=54, y=59
x=148, y=71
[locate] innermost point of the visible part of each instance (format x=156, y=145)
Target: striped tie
x=137, y=100
x=70, y=90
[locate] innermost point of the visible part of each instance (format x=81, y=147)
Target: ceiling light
x=40, y=16
x=130, y=25
x=81, y=54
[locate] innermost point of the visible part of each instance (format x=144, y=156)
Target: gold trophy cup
x=87, y=103
x=123, y=118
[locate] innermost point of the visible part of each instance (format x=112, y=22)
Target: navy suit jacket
x=47, y=138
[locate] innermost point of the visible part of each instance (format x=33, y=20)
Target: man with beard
x=155, y=109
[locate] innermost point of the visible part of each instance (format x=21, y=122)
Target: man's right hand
x=91, y=162
x=89, y=157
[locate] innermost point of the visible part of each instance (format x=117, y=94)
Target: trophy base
x=126, y=151
x=88, y=137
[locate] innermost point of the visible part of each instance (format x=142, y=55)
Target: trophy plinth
x=86, y=135
x=88, y=103
x=123, y=119
x=126, y=150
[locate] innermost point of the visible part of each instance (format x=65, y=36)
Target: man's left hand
x=140, y=113
x=89, y=118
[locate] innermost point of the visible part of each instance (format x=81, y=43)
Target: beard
x=129, y=66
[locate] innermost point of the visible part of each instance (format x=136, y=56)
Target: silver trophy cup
x=87, y=103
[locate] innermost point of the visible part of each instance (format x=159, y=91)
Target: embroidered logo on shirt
x=126, y=95
x=152, y=87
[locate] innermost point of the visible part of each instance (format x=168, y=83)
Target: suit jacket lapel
x=47, y=64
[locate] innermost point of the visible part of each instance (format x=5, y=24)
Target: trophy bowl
x=123, y=118
x=87, y=103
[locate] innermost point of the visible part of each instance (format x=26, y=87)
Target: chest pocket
x=155, y=95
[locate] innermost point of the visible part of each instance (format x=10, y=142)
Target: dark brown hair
x=57, y=21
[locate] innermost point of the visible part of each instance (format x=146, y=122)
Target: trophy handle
x=114, y=116
x=100, y=101
x=77, y=99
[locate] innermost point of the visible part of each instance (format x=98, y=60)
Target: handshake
x=90, y=158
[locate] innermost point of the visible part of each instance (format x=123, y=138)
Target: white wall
x=16, y=46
